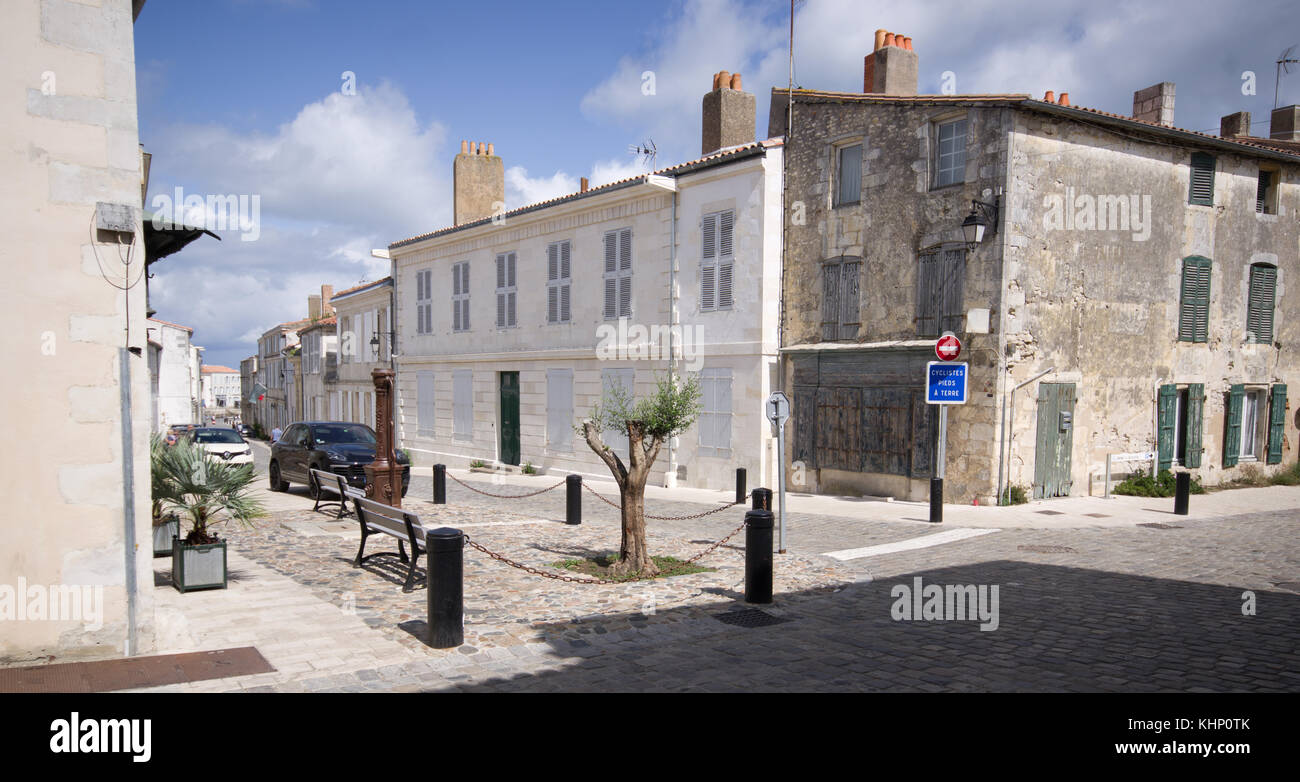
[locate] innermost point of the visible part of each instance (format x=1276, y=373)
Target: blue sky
x=244, y=97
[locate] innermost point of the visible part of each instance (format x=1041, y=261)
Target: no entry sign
x=948, y=347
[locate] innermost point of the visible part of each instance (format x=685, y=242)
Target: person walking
x=275, y=435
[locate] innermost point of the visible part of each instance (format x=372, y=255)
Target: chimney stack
x=1285, y=124
x=478, y=182
x=313, y=306
x=728, y=114
x=327, y=296
x=890, y=69
x=1234, y=125
x=1155, y=104
x=584, y=185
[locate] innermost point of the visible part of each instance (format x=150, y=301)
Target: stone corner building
x=1130, y=288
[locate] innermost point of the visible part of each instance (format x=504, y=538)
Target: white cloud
x=606, y=171
x=522, y=190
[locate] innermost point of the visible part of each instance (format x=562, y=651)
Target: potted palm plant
x=205, y=491
x=165, y=526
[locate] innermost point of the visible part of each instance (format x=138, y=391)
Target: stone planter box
x=163, y=534
x=198, y=567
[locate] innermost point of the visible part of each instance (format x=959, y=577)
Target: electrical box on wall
x=977, y=321
x=115, y=217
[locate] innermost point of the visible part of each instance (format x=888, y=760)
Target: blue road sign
x=945, y=383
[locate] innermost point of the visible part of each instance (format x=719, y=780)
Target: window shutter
x=725, y=284
x=624, y=297
x=1232, y=436
x=927, y=306
x=1276, y=423
x=1194, y=309
x=510, y=309
x=559, y=408
x=564, y=303
x=849, y=300
x=1261, y=190
x=1259, y=310
x=552, y=304
x=611, y=252
x=1202, y=185
x=565, y=252
x=722, y=403
x=710, y=237
x=424, y=402
x=1195, y=414
x=611, y=295
x=625, y=249
x=1166, y=413
x=708, y=286
x=830, y=301
x=566, y=280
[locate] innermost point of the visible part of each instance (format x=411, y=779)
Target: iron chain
x=505, y=496
x=701, y=515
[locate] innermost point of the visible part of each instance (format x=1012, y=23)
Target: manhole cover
x=751, y=617
x=1158, y=525
x=1293, y=586
x=1047, y=549
x=1050, y=512
x=1097, y=515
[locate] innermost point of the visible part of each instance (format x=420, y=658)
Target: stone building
x=276, y=373
x=77, y=556
x=512, y=325
x=220, y=392
x=363, y=341
x=1129, y=287
x=177, y=397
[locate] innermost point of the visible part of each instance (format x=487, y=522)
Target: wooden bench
x=322, y=481
x=377, y=518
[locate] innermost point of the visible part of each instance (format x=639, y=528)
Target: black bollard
x=936, y=500
x=1182, y=493
x=446, y=587
x=573, y=499
x=758, y=556
x=740, y=485
x=439, y=484
x=762, y=499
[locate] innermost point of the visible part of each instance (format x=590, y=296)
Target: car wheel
x=276, y=483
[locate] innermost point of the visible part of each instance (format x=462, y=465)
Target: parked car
x=244, y=430
x=225, y=444
x=332, y=446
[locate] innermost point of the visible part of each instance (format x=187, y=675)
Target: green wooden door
x=509, y=417
x=1054, y=440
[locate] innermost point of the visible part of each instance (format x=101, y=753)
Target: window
x=1259, y=308
x=1201, y=190
x=424, y=302
x=460, y=296
x=950, y=153
x=463, y=404
x=559, y=409
x=940, y=279
x=848, y=175
x=1252, y=402
x=1266, y=191
x=424, y=403
x=618, y=274
x=1181, y=418
x=840, y=319
x=1194, y=309
x=610, y=380
x=717, y=266
x=558, y=281
x=506, y=291
x=715, y=413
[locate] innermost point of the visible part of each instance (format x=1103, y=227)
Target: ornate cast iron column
x=384, y=474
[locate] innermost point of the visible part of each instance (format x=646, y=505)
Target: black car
x=330, y=446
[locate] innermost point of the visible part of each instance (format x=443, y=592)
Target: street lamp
x=982, y=217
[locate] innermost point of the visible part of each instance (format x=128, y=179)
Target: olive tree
x=669, y=411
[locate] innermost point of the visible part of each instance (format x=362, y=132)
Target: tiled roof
x=318, y=324
x=173, y=325
x=362, y=286
x=741, y=151
x=218, y=369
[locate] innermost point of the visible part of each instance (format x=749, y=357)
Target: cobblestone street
x=1117, y=608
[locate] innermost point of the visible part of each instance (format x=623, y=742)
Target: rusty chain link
x=504, y=496
x=701, y=515
x=576, y=580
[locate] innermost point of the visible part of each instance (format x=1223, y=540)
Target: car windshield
x=218, y=436
x=343, y=434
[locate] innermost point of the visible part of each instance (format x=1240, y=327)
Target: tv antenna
x=648, y=152
x=1284, y=63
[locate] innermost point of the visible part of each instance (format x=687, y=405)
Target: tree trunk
x=634, y=553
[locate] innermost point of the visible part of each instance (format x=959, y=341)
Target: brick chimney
x=891, y=68
x=479, y=182
x=326, y=297
x=1155, y=104
x=1234, y=125
x=1285, y=124
x=728, y=113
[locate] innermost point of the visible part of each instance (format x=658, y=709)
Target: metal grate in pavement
x=1159, y=525
x=132, y=672
x=1050, y=512
x=751, y=617
x=1047, y=549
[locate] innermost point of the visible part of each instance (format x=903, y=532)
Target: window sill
x=949, y=186
x=847, y=204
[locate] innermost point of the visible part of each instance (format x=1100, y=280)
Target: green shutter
x=1232, y=436
x=1195, y=412
x=1276, y=424
x=1194, y=308
x=1201, y=190
x=1166, y=409
x=1259, y=308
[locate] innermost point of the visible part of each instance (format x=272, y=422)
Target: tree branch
x=591, y=433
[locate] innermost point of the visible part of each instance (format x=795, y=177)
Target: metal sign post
x=945, y=384
x=778, y=412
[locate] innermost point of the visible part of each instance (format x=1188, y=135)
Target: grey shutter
x=424, y=403
x=850, y=300
x=464, y=304
x=559, y=409
x=552, y=303
x=726, y=258
x=1202, y=180
x=708, y=265
x=625, y=272
x=1259, y=311
x=565, y=281
x=611, y=282
x=830, y=301
x=552, y=277
x=927, y=293
x=952, y=285
x=510, y=280
x=463, y=403
x=501, y=295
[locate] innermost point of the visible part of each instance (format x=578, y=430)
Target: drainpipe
x=1010, y=428
x=128, y=498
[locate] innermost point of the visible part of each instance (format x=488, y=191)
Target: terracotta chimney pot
x=1050, y=97
x=464, y=147
x=880, y=38
x=889, y=39
x=491, y=149
x=735, y=81
x=1064, y=100
x=724, y=78
x=907, y=43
